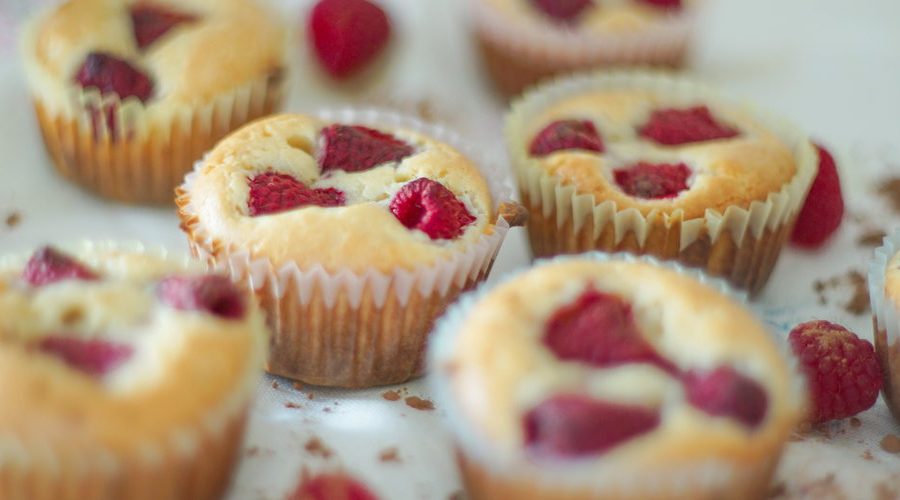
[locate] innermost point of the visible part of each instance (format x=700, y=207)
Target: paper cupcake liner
x=191, y=463
x=886, y=322
x=350, y=329
x=486, y=477
x=520, y=54
x=741, y=244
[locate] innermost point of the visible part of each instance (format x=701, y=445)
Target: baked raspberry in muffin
x=609, y=377
x=884, y=294
x=128, y=94
x=652, y=164
x=125, y=374
x=355, y=231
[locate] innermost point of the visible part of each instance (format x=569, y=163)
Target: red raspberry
x=562, y=10
x=824, y=206
x=428, y=206
x=566, y=134
x=653, y=180
x=347, y=34
x=332, y=486
x=842, y=370
x=272, y=192
x=664, y=4
x=568, y=425
x=213, y=294
x=680, y=126
x=91, y=356
x=724, y=392
x=48, y=265
x=353, y=148
x=111, y=75
x=149, y=22
x=599, y=329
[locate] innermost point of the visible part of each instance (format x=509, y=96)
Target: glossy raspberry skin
x=724, y=392
x=599, y=329
x=347, y=34
x=653, y=180
x=331, y=486
x=566, y=134
x=842, y=371
x=823, y=209
x=569, y=425
x=91, y=356
x=562, y=10
x=664, y=4
x=48, y=265
x=212, y=294
x=272, y=192
x=112, y=75
x=353, y=148
x=672, y=127
x=430, y=207
x=149, y=22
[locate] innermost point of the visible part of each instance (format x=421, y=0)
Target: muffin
x=136, y=371
x=525, y=41
x=611, y=377
x=355, y=230
x=129, y=94
x=884, y=294
x=653, y=164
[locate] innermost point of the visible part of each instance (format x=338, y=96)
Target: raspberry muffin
x=355, y=230
x=652, y=164
x=136, y=371
x=884, y=293
x=525, y=41
x=128, y=94
x=611, y=377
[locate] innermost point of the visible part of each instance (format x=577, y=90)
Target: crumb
x=13, y=219
x=871, y=238
x=389, y=455
x=317, y=448
x=292, y=405
x=327, y=409
x=425, y=110
x=867, y=455
x=891, y=443
x=275, y=384
x=855, y=422
x=310, y=396
x=297, y=385
x=252, y=451
x=419, y=403
x=859, y=299
x=391, y=395
x=890, y=189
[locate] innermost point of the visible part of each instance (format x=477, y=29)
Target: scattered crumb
x=891, y=443
x=317, y=448
x=13, y=219
x=871, y=238
x=327, y=409
x=855, y=422
x=859, y=299
x=252, y=451
x=297, y=385
x=867, y=455
x=890, y=189
x=389, y=455
x=419, y=403
x=391, y=395
x=275, y=384
x=292, y=405
x=310, y=396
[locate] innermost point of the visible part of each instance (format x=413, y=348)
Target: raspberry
x=271, y=192
x=824, y=206
x=599, y=329
x=566, y=134
x=680, y=126
x=724, y=392
x=48, y=265
x=353, y=148
x=842, y=371
x=663, y=4
x=331, y=487
x=653, y=180
x=347, y=34
x=428, y=206
x=569, y=425
x=562, y=10
x=111, y=75
x=149, y=22
x=93, y=357
x=213, y=294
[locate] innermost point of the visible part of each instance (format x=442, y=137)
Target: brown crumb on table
x=292, y=405
x=13, y=219
x=859, y=300
x=252, y=451
x=327, y=409
x=275, y=384
x=419, y=403
x=891, y=443
x=391, y=395
x=297, y=385
x=317, y=448
x=867, y=455
x=871, y=238
x=890, y=189
x=389, y=455
x=855, y=422
x=310, y=396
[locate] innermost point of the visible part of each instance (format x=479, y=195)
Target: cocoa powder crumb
x=13, y=219
x=855, y=422
x=891, y=443
x=890, y=189
x=419, y=403
x=871, y=238
x=297, y=385
x=316, y=447
x=391, y=395
x=292, y=405
x=859, y=299
x=327, y=409
x=310, y=396
x=389, y=455
x=867, y=455
x=275, y=384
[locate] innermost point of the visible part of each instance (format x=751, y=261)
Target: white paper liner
x=714, y=474
x=886, y=322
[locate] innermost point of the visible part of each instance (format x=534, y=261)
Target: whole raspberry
x=824, y=206
x=562, y=10
x=672, y=127
x=353, y=148
x=213, y=294
x=842, y=370
x=333, y=486
x=430, y=207
x=569, y=425
x=48, y=265
x=347, y=34
x=149, y=22
x=91, y=356
x=724, y=392
x=566, y=134
x=599, y=329
x=663, y=4
x=271, y=192
x=112, y=75
x=653, y=180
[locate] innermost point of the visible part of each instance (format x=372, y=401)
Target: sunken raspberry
x=272, y=192
x=842, y=371
x=566, y=134
x=653, y=180
x=48, y=265
x=569, y=425
x=724, y=392
x=347, y=34
x=112, y=75
x=210, y=293
x=353, y=148
x=430, y=207
x=663, y=4
x=91, y=356
x=672, y=127
x=149, y=22
x=599, y=329
x=824, y=206
x=331, y=486
x=562, y=10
